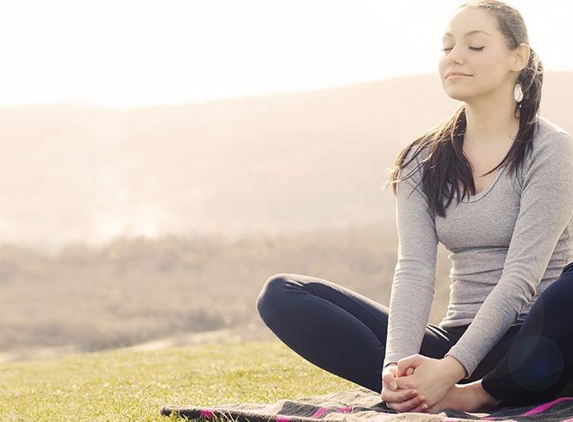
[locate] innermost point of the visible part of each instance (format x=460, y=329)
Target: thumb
x=404, y=364
x=393, y=384
x=390, y=381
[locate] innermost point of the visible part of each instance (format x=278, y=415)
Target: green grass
x=127, y=385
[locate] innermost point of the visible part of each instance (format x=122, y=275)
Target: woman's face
x=476, y=62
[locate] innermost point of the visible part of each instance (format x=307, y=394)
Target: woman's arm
x=546, y=209
x=414, y=280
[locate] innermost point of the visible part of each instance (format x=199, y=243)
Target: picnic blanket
x=362, y=405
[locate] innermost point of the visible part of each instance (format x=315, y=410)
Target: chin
x=456, y=94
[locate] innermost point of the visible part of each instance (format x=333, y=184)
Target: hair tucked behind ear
x=445, y=166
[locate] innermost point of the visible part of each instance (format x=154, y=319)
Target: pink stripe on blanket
x=491, y=417
x=322, y=410
x=319, y=412
x=281, y=418
x=207, y=413
x=545, y=406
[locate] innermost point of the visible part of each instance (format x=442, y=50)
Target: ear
x=520, y=57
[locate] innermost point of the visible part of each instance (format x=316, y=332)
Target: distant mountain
x=279, y=162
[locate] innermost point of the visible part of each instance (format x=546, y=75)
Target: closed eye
x=471, y=48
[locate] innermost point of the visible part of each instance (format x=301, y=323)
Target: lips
x=456, y=74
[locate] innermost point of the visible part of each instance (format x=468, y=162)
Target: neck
x=491, y=121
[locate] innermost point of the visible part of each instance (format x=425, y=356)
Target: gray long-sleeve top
x=507, y=244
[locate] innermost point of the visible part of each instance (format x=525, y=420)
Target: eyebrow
x=475, y=31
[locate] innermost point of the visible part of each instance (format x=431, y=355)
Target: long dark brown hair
x=446, y=165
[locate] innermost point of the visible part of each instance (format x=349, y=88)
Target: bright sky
x=124, y=53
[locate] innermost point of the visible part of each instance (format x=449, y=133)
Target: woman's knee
x=270, y=294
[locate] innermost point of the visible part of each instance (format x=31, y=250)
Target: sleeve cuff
x=469, y=368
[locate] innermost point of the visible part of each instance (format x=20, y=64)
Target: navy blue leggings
x=344, y=333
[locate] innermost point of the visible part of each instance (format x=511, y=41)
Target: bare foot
x=469, y=397
x=455, y=398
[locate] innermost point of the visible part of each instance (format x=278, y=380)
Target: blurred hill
x=156, y=293
x=276, y=163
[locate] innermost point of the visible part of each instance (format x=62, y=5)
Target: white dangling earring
x=518, y=92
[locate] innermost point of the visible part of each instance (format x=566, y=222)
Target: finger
x=390, y=381
x=409, y=371
x=434, y=409
x=423, y=408
x=399, y=396
x=403, y=364
x=389, y=396
x=408, y=405
x=406, y=382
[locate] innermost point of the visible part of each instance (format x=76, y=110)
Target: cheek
x=491, y=65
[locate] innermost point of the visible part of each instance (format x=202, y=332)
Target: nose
x=455, y=55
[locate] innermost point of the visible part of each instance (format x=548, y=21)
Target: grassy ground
x=128, y=385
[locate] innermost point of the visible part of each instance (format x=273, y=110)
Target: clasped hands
x=416, y=383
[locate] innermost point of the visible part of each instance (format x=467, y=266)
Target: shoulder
x=551, y=152
x=414, y=159
x=412, y=167
x=548, y=126
x=551, y=136
x=550, y=143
